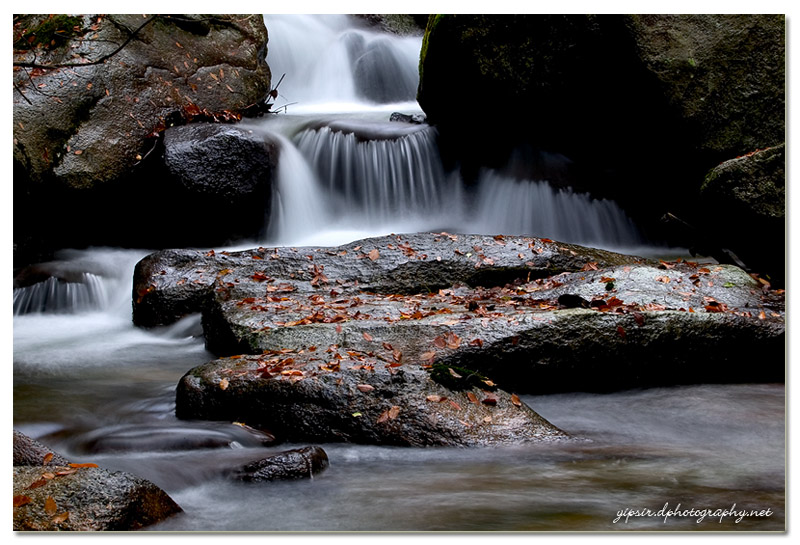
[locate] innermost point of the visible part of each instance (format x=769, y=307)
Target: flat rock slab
x=172, y=283
x=334, y=394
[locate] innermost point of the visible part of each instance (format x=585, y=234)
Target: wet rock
x=173, y=283
x=222, y=171
x=360, y=396
x=86, y=499
x=51, y=494
x=301, y=463
x=29, y=452
x=407, y=118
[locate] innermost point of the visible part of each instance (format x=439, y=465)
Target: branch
x=101, y=60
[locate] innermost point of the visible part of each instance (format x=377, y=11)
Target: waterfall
x=345, y=176
x=58, y=296
x=330, y=62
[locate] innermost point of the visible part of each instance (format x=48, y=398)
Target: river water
x=97, y=389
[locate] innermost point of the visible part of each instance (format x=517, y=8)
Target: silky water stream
x=97, y=389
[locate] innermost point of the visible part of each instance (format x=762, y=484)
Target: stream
x=96, y=389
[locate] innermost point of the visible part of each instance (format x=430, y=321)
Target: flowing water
x=97, y=389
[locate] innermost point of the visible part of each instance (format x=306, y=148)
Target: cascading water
x=96, y=389
x=373, y=176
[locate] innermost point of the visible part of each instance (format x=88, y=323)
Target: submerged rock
x=51, y=494
x=301, y=463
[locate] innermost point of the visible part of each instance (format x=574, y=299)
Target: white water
x=89, y=377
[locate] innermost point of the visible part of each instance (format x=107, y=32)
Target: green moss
x=54, y=31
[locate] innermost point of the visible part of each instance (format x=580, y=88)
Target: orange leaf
x=61, y=518
x=50, y=506
x=47, y=458
x=223, y=384
x=515, y=400
x=374, y=254
x=21, y=500
x=435, y=398
x=472, y=397
x=367, y=336
x=83, y=465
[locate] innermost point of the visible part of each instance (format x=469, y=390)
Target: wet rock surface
x=301, y=463
x=52, y=494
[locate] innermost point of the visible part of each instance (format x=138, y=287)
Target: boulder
x=301, y=463
x=86, y=499
x=52, y=494
x=360, y=396
x=90, y=93
x=745, y=203
x=220, y=171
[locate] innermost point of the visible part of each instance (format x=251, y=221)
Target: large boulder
x=91, y=91
x=643, y=105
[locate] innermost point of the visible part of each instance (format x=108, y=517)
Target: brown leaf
x=439, y=342
x=83, y=465
x=37, y=483
x=47, y=458
x=223, y=384
x=456, y=375
x=662, y=279
x=435, y=398
x=621, y=332
x=367, y=336
x=472, y=397
x=428, y=356
x=490, y=399
x=452, y=340
x=389, y=414
x=515, y=400
x=21, y=500
x=476, y=342
x=455, y=405
x=639, y=317
x=374, y=254
x=365, y=387
x=50, y=506
x=387, y=346
x=61, y=518
x=66, y=472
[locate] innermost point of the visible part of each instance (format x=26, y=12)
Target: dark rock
x=745, y=204
x=28, y=452
x=90, y=499
x=338, y=394
x=220, y=171
x=301, y=463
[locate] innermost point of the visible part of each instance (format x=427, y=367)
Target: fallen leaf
x=452, y=340
x=428, y=356
x=515, y=400
x=435, y=398
x=662, y=279
x=21, y=500
x=367, y=336
x=365, y=387
x=488, y=420
x=439, y=342
x=389, y=414
x=223, y=384
x=456, y=375
x=37, y=483
x=476, y=342
x=66, y=472
x=61, y=518
x=639, y=317
x=374, y=254
x=47, y=458
x=83, y=465
x=50, y=506
x=621, y=332
x=490, y=399
x=472, y=397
